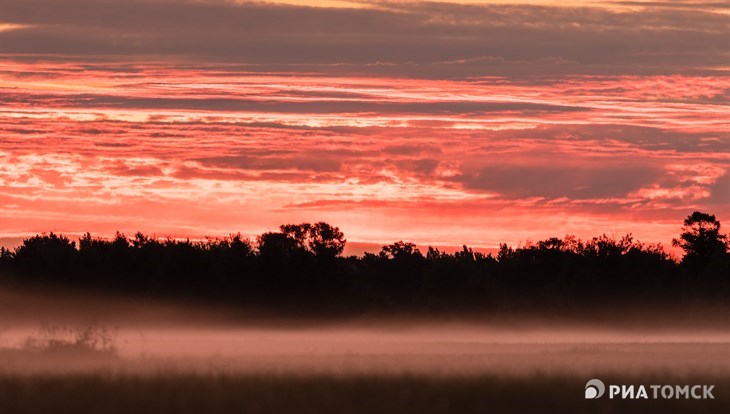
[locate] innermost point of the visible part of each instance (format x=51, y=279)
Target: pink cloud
x=199, y=151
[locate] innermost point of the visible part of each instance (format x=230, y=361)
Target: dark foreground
x=140, y=357
x=189, y=393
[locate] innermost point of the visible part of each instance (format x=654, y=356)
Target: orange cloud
x=209, y=150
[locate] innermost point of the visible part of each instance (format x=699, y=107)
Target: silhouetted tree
x=233, y=245
x=607, y=247
x=325, y=241
x=701, y=240
x=6, y=256
x=505, y=253
x=321, y=239
x=48, y=254
x=278, y=246
x=300, y=267
x=400, y=251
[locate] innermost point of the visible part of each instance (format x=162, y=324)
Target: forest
x=300, y=268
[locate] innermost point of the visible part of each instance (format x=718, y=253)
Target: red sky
x=472, y=122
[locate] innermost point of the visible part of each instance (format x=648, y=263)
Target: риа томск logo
x=595, y=389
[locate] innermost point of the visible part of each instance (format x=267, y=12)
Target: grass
x=88, y=338
x=78, y=370
x=187, y=393
x=55, y=347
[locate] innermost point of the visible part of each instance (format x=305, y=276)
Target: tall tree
x=321, y=239
x=326, y=241
x=701, y=239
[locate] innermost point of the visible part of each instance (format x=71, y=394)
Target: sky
x=442, y=123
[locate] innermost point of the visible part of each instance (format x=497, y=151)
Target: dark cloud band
x=426, y=40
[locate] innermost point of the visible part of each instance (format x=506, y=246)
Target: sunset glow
x=464, y=122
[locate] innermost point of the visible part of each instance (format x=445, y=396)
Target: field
x=186, y=393
x=152, y=358
x=392, y=377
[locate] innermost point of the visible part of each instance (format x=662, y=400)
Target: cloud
x=420, y=120
x=308, y=161
x=411, y=149
x=442, y=40
x=720, y=193
x=284, y=106
x=694, y=5
x=586, y=181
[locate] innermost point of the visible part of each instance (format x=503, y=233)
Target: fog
x=154, y=337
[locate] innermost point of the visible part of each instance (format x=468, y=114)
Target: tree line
x=301, y=268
